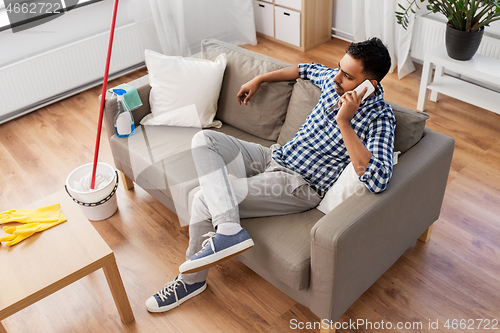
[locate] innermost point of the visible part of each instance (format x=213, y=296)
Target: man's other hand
x=247, y=90
x=349, y=104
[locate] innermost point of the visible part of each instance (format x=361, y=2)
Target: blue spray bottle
x=124, y=121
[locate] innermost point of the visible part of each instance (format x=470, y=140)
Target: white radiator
x=429, y=33
x=39, y=80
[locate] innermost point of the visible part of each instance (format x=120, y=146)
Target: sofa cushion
x=239, y=134
x=283, y=245
x=161, y=157
x=265, y=114
x=410, y=126
x=305, y=96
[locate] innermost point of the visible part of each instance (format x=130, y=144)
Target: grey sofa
x=325, y=262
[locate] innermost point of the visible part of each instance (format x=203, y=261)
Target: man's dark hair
x=374, y=57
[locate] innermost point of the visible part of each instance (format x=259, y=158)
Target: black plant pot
x=462, y=45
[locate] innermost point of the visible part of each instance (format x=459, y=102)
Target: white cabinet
x=300, y=24
x=264, y=17
x=287, y=25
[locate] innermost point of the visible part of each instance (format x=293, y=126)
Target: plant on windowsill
x=466, y=22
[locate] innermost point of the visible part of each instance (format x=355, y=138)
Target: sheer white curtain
x=176, y=27
x=377, y=18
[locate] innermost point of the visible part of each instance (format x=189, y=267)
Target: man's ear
x=374, y=83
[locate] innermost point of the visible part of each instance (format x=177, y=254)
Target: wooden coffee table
x=49, y=261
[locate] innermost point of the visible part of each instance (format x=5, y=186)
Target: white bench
x=480, y=68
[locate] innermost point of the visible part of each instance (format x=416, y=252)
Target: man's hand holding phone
x=349, y=102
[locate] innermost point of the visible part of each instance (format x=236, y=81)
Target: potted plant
x=466, y=22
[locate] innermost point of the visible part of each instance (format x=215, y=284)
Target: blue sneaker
x=174, y=294
x=216, y=248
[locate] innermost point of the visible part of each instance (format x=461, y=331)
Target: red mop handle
x=103, y=95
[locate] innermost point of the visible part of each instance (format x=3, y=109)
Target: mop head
x=83, y=185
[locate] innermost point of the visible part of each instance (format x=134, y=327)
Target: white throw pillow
x=184, y=91
x=346, y=185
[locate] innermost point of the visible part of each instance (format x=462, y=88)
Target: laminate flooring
x=456, y=275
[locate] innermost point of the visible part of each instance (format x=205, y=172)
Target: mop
x=103, y=95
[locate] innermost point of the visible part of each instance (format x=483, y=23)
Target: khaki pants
x=263, y=187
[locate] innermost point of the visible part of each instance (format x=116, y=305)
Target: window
x=20, y=15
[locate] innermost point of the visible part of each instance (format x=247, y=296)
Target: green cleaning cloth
x=131, y=96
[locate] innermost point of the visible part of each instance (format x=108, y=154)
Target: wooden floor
x=456, y=275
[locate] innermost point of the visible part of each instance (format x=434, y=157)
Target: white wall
x=342, y=19
x=73, y=25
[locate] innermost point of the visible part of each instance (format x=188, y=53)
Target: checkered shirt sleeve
x=381, y=144
x=316, y=73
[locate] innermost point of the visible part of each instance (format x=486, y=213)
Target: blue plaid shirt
x=318, y=153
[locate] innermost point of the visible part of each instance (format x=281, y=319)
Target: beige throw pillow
x=265, y=114
x=410, y=126
x=305, y=96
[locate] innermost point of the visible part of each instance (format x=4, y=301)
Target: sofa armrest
x=358, y=241
x=111, y=105
x=111, y=109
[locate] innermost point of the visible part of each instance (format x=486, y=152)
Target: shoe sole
x=174, y=305
x=193, y=266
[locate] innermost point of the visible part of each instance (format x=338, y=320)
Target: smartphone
x=359, y=89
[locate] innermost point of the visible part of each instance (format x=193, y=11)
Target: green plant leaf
x=465, y=15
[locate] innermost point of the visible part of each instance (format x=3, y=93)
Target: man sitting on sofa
x=288, y=179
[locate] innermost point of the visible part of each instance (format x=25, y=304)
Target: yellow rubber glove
x=13, y=239
x=22, y=232
x=42, y=215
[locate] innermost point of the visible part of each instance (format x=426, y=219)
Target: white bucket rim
x=115, y=175
x=97, y=203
